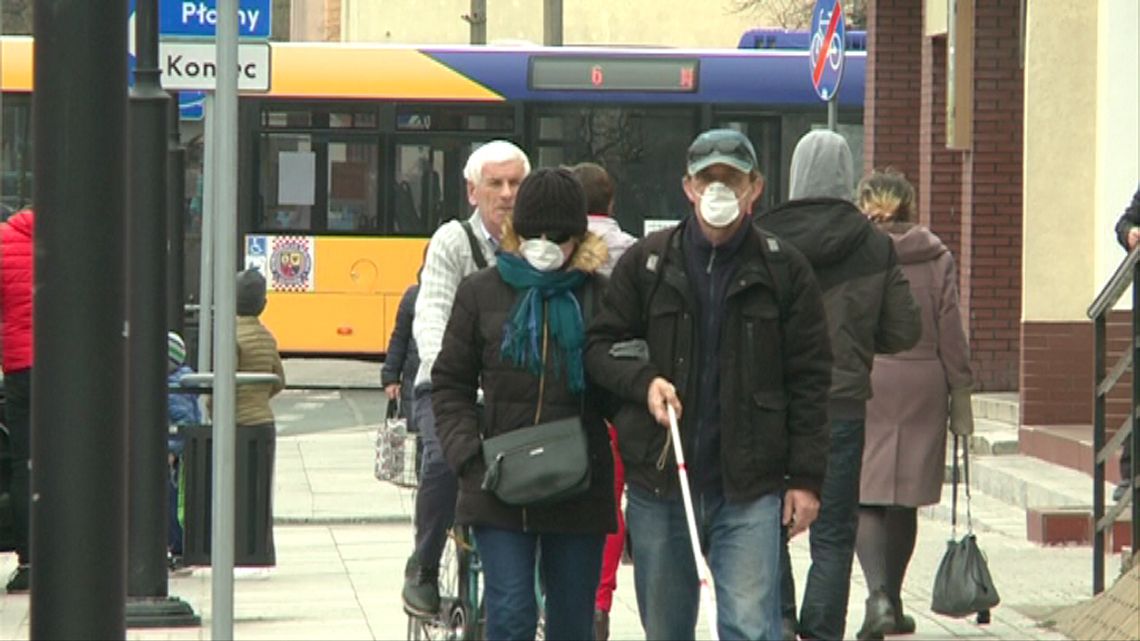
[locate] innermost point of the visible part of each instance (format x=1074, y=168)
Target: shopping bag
x=395, y=460
x=963, y=584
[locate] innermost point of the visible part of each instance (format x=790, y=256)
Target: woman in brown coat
x=914, y=394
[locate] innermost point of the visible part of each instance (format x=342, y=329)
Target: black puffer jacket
x=470, y=355
x=774, y=364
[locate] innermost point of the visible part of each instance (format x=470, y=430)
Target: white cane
x=708, y=596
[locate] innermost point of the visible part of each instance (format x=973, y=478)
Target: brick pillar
x=940, y=169
x=991, y=198
x=894, y=74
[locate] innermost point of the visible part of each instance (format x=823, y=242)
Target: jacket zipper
x=712, y=257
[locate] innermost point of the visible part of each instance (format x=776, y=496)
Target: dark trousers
x=18, y=418
x=174, y=525
x=823, y=614
x=439, y=489
x=570, y=568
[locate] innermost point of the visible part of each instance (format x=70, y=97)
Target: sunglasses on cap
x=734, y=147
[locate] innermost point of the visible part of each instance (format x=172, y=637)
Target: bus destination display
x=572, y=73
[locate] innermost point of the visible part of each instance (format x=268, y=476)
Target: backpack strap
x=476, y=248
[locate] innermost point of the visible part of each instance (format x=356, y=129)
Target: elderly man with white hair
x=494, y=172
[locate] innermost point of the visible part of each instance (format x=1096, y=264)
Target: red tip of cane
x=682, y=466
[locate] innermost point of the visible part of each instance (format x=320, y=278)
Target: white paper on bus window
x=296, y=178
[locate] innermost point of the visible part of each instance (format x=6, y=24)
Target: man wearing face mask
x=869, y=310
x=737, y=338
x=457, y=249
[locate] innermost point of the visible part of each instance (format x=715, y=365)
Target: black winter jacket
x=470, y=355
x=775, y=365
x=870, y=309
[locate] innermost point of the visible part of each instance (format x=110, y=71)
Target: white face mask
x=542, y=254
x=719, y=205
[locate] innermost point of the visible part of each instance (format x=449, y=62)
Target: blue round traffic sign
x=828, y=40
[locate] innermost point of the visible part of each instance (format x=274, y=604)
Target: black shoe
x=904, y=623
x=21, y=580
x=421, y=591
x=601, y=625
x=878, y=617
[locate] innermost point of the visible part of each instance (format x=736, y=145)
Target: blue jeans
x=832, y=537
x=742, y=544
x=435, y=500
x=571, y=565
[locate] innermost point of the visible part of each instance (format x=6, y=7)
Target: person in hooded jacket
x=870, y=310
x=518, y=330
x=916, y=391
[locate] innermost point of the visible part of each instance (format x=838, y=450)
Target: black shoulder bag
x=476, y=249
x=542, y=464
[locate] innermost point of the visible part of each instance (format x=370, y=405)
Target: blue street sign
x=192, y=105
x=199, y=18
x=828, y=38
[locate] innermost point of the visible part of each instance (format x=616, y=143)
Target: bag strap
x=542, y=376
x=476, y=248
x=960, y=442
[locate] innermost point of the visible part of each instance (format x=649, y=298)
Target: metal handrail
x=1126, y=274
x=1115, y=287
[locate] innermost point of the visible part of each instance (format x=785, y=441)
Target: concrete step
x=1004, y=407
x=993, y=437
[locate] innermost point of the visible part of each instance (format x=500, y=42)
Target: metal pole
x=833, y=113
x=206, y=261
x=146, y=280
x=478, y=21
x=1098, y=445
x=79, y=475
x=552, y=23
x=175, y=223
x=225, y=352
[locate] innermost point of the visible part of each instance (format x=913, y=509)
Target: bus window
x=312, y=184
x=288, y=182
x=353, y=168
x=418, y=191
x=643, y=149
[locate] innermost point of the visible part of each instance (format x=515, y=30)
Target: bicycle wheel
x=468, y=618
x=449, y=624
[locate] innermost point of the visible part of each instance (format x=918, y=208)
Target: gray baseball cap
x=723, y=147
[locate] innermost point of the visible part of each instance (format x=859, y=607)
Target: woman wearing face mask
x=518, y=330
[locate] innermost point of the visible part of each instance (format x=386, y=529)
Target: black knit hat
x=552, y=202
x=250, y=293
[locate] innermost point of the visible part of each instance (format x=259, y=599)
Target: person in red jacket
x=16, y=282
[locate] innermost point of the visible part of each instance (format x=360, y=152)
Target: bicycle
x=461, y=615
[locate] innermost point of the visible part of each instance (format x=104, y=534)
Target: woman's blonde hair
x=886, y=196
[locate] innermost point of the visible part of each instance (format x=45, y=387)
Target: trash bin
x=253, y=526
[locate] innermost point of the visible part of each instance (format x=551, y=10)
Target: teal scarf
x=522, y=333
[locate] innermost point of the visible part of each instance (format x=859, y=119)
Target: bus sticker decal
x=291, y=264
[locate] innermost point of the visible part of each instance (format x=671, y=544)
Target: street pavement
x=342, y=539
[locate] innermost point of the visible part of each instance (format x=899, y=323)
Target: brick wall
x=1057, y=374
x=939, y=175
x=892, y=85
x=991, y=198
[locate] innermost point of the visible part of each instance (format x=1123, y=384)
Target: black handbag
x=963, y=585
x=541, y=464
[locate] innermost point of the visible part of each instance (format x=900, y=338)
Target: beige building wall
x=1117, y=129
x=1060, y=160
x=1082, y=150
x=673, y=23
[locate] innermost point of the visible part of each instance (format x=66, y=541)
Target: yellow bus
x=355, y=154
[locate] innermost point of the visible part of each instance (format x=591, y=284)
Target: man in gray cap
x=724, y=321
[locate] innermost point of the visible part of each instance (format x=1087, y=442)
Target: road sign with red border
x=827, y=47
